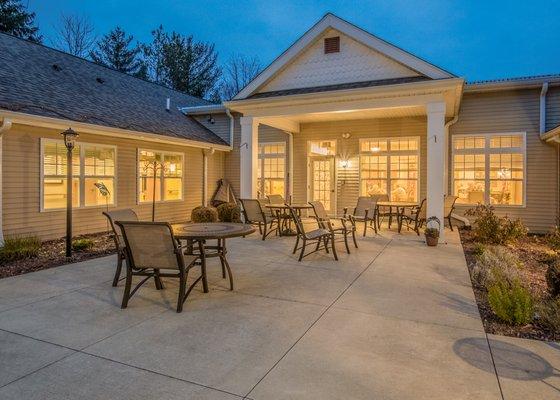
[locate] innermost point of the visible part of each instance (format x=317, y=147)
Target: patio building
x=340, y=114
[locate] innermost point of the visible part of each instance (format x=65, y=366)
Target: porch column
x=436, y=161
x=249, y=155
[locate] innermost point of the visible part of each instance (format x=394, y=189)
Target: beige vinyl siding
x=348, y=180
x=553, y=107
x=22, y=183
x=516, y=111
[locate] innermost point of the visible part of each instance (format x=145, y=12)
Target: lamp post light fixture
x=69, y=141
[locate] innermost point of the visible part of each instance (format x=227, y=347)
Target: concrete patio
x=393, y=320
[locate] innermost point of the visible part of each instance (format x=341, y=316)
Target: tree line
x=171, y=59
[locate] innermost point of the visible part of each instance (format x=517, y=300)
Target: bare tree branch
x=238, y=72
x=75, y=35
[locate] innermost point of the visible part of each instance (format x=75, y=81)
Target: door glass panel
x=322, y=182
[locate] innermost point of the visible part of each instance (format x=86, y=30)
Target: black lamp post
x=69, y=141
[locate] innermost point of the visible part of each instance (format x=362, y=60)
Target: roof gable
x=363, y=57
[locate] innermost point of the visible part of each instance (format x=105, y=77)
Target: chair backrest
x=253, y=210
x=365, y=203
x=380, y=197
x=297, y=222
x=276, y=199
x=151, y=245
x=422, y=209
x=319, y=210
x=448, y=204
x=126, y=214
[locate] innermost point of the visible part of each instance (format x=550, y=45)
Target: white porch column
x=249, y=157
x=436, y=161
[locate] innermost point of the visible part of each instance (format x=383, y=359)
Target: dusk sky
x=473, y=39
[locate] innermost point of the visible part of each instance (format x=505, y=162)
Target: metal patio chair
x=414, y=217
x=342, y=226
x=276, y=199
x=321, y=237
x=256, y=214
x=365, y=211
x=126, y=214
x=448, y=208
x=151, y=248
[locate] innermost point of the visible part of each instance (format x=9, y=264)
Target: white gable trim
x=366, y=38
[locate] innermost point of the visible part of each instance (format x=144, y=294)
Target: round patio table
x=288, y=231
x=400, y=206
x=207, y=231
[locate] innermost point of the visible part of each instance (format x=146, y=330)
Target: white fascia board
x=332, y=21
x=207, y=109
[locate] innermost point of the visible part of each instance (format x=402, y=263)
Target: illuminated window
x=272, y=168
x=160, y=173
x=322, y=148
x=93, y=175
x=489, y=169
x=390, y=166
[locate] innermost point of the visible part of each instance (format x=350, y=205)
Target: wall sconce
x=344, y=164
x=210, y=119
x=346, y=135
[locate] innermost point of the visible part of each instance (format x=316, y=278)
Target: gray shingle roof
x=341, y=86
x=38, y=80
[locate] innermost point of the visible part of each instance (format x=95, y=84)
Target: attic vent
x=56, y=67
x=332, y=45
x=100, y=80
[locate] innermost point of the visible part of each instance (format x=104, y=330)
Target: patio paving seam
x=494, y=365
x=320, y=316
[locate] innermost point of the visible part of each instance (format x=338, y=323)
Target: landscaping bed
x=509, y=278
x=30, y=255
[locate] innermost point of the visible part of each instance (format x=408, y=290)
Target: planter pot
x=431, y=240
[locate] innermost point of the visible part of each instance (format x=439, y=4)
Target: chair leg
x=326, y=242
x=354, y=237
x=295, y=247
x=346, y=242
x=450, y=224
x=375, y=218
x=260, y=228
x=365, y=226
x=264, y=231
x=334, y=248
x=127, y=286
x=157, y=279
x=302, y=250
x=182, y=289
x=118, y=271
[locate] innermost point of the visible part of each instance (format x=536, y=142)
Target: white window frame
x=487, y=151
x=163, y=154
x=388, y=154
x=82, y=177
x=262, y=156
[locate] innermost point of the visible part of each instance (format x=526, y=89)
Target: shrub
x=17, y=248
x=553, y=238
x=548, y=313
x=82, y=244
x=494, y=264
x=549, y=257
x=204, y=214
x=511, y=302
x=553, y=278
x=492, y=229
x=478, y=249
x=229, y=212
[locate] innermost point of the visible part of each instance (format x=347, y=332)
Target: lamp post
x=69, y=141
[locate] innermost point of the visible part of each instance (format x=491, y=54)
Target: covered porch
x=343, y=143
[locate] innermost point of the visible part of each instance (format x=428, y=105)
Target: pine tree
x=114, y=50
x=15, y=20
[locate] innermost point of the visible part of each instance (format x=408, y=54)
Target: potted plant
x=432, y=233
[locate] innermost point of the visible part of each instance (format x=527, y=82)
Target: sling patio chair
x=126, y=214
x=448, y=208
x=342, y=226
x=321, y=237
x=414, y=217
x=276, y=199
x=365, y=211
x=256, y=214
x=151, y=248
x=383, y=211
x=283, y=216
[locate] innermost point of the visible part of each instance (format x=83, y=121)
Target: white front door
x=322, y=187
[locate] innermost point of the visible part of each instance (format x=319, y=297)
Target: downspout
x=205, y=154
x=542, y=114
x=231, y=128
x=4, y=127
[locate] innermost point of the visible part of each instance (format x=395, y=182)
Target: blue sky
x=471, y=38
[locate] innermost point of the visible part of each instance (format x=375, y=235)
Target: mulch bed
x=52, y=254
x=532, y=252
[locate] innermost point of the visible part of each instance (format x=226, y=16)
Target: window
x=322, y=148
x=92, y=165
x=272, y=168
x=390, y=166
x=168, y=171
x=489, y=169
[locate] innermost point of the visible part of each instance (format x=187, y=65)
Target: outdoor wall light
x=210, y=119
x=70, y=137
x=345, y=164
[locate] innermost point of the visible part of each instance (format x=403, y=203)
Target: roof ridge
x=102, y=66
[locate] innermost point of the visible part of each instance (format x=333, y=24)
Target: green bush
x=204, y=214
x=548, y=313
x=553, y=238
x=229, y=212
x=82, y=244
x=553, y=278
x=496, y=263
x=478, y=249
x=511, y=302
x=489, y=228
x=549, y=257
x=17, y=248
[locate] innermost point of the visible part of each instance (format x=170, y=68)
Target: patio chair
x=256, y=214
x=321, y=237
x=342, y=226
x=151, y=248
x=415, y=216
x=448, y=208
x=365, y=211
x=126, y=214
x=283, y=216
x=276, y=199
x=383, y=211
